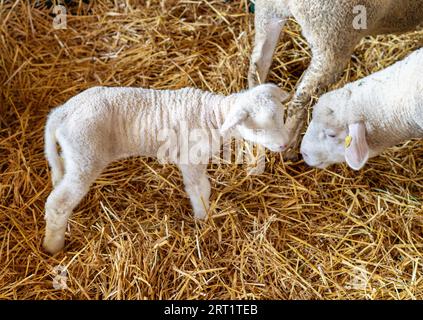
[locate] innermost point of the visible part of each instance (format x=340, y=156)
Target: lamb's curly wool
x=332, y=29
x=388, y=103
x=102, y=124
x=148, y=112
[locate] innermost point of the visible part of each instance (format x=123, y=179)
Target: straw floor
x=291, y=233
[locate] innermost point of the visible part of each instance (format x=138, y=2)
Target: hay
x=290, y=233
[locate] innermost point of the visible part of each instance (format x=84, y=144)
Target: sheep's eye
x=330, y=134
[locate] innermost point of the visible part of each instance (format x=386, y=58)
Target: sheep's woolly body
x=389, y=102
x=131, y=118
x=328, y=26
x=102, y=124
x=320, y=17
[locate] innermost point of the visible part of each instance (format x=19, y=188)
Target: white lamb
x=367, y=116
x=333, y=29
x=103, y=124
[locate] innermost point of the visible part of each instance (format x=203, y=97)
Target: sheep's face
x=257, y=117
x=329, y=139
x=323, y=145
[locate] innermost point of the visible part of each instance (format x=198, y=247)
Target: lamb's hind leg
x=63, y=199
x=197, y=185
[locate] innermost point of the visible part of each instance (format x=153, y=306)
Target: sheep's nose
x=283, y=147
x=305, y=155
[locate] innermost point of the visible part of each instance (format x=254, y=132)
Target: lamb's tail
x=50, y=148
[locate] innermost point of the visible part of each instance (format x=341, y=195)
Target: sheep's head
x=334, y=135
x=257, y=116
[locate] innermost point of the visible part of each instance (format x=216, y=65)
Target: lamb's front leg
x=197, y=185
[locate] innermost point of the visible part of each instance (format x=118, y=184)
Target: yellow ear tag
x=348, y=140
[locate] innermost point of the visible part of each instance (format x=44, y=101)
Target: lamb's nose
x=305, y=155
x=283, y=147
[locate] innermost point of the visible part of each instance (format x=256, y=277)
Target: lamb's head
x=257, y=116
x=335, y=135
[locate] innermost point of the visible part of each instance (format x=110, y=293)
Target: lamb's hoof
x=201, y=214
x=53, y=244
x=256, y=171
x=291, y=155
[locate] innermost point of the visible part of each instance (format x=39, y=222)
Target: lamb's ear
x=356, y=149
x=232, y=119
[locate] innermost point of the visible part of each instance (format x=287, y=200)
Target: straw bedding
x=291, y=233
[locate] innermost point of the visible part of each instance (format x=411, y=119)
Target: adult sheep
x=365, y=117
x=332, y=28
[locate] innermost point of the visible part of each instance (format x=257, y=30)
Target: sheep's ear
x=356, y=148
x=232, y=119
